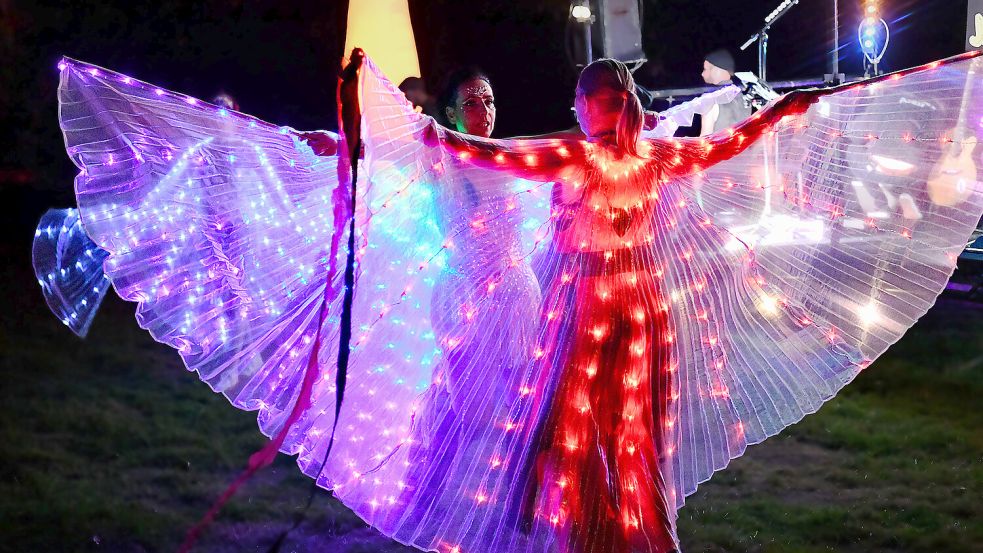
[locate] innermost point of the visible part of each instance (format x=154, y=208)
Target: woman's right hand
x=431, y=135
x=651, y=120
x=351, y=111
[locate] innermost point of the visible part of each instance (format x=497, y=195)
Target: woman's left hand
x=323, y=143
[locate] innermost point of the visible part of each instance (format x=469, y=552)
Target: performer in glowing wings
x=657, y=340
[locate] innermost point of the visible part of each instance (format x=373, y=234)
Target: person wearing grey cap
x=718, y=69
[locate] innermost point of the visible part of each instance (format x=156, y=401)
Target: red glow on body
x=609, y=399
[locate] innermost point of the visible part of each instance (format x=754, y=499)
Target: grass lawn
x=108, y=444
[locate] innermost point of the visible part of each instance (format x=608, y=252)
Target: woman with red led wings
x=601, y=455
x=674, y=334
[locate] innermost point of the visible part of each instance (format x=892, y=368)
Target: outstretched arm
x=679, y=157
x=398, y=138
x=542, y=160
x=573, y=133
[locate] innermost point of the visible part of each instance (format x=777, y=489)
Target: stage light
x=582, y=17
x=581, y=12
x=873, y=34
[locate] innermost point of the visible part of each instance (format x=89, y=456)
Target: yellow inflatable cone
x=382, y=28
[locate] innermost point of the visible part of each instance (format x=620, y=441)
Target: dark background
x=280, y=58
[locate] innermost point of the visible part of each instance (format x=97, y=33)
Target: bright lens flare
x=868, y=314
x=768, y=305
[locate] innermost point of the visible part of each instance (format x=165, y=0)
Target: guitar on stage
x=955, y=176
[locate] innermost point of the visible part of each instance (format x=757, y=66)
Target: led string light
x=68, y=267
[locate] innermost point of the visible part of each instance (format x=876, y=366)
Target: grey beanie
x=722, y=59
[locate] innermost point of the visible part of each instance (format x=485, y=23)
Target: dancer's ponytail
x=629, y=129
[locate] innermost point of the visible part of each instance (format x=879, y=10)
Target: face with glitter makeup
x=474, y=108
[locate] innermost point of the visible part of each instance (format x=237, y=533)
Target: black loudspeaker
x=619, y=28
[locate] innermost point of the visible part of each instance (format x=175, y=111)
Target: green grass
x=109, y=445
x=892, y=464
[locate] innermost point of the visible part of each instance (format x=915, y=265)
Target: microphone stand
x=762, y=37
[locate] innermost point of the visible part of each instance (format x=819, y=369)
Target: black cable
x=344, y=341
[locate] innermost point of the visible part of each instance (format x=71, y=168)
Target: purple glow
x=62, y=65
x=959, y=287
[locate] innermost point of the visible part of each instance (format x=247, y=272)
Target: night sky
x=280, y=58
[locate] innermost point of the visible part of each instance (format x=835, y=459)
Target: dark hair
x=226, y=101
x=412, y=83
x=448, y=94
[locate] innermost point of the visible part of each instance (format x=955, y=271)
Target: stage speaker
x=619, y=27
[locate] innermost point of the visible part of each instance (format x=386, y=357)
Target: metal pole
x=590, y=47
x=836, y=42
x=763, y=55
